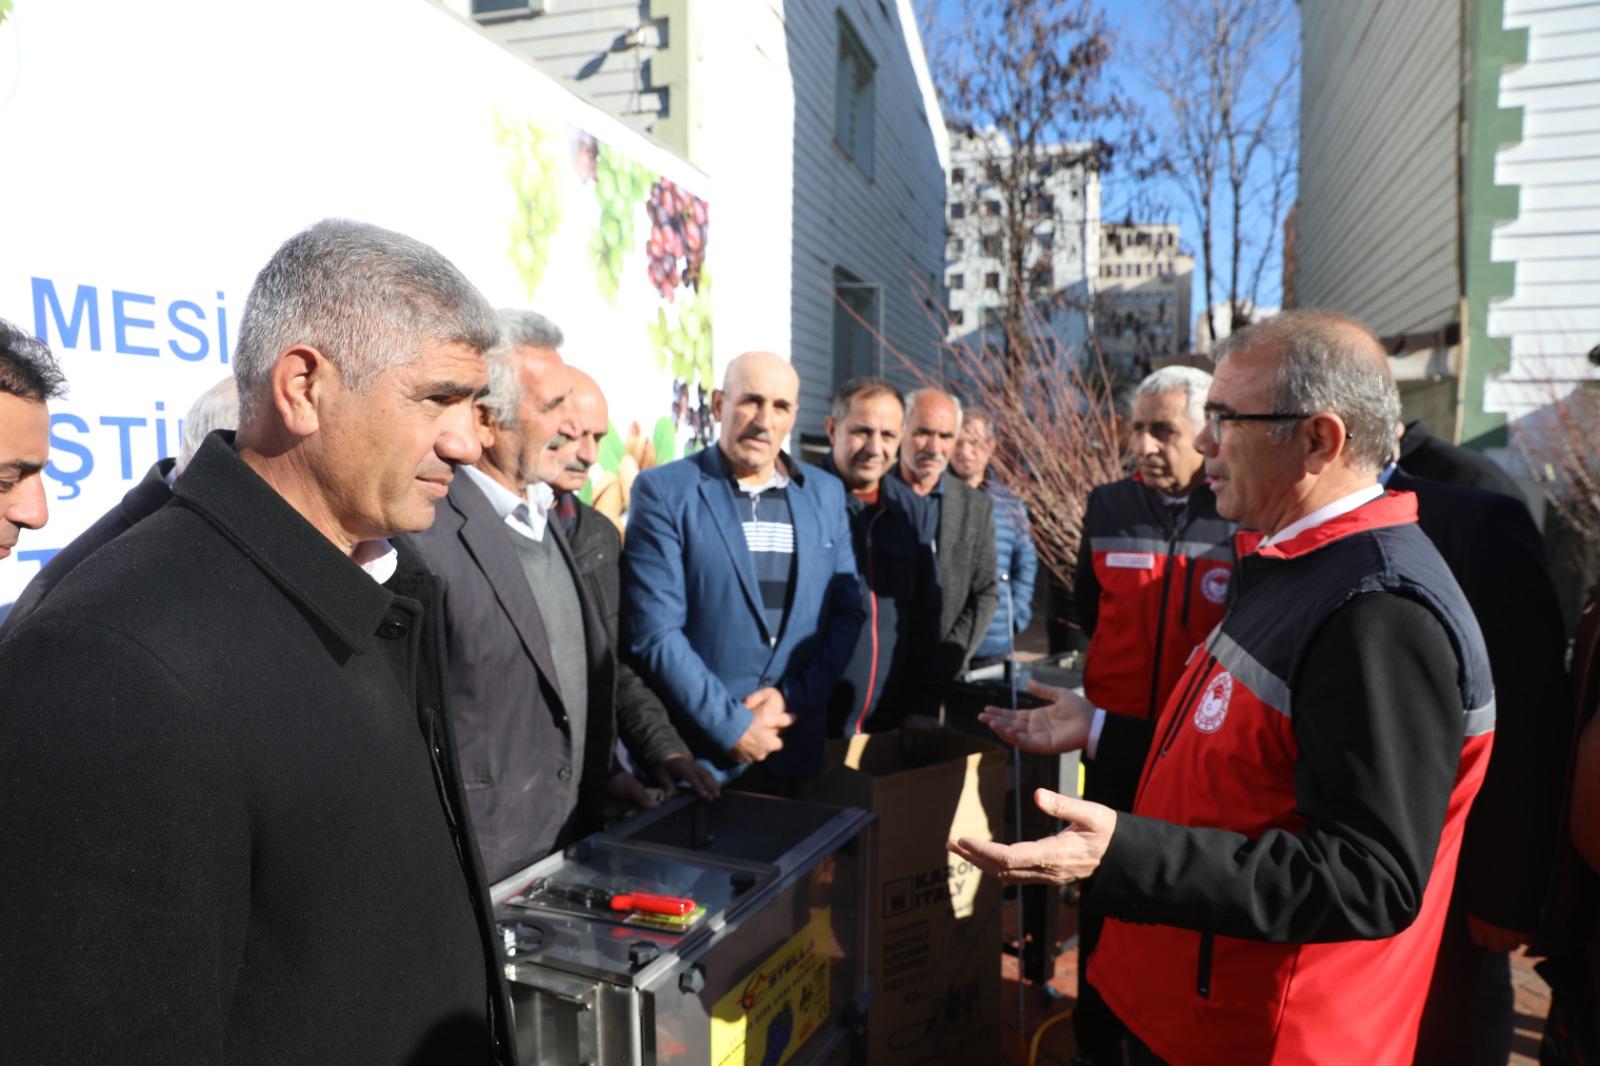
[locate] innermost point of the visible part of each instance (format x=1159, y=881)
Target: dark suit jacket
x=513, y=731
x=1426, y=456
x=968, y=574
x=1497, y=555
x=642, y=720
x=142, y=501
x=224, y=765
x=692, y=614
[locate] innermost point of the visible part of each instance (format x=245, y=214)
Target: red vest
x=1163, y=587
x=1224, y=757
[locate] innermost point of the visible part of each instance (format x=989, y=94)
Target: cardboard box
x=935, y=935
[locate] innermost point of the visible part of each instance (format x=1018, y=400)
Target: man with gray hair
x=225, y=757
x=958, y=521
x=217, y=408
x=1278, y=892
x=532, y=672
x=1154, y=565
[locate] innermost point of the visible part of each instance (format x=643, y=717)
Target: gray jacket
x=968, y=574
x=511, y=728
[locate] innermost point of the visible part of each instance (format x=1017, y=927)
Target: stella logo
x=1214, y=586
x=1213, y=707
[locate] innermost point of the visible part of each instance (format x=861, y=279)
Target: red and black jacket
x=1152, y=582
x=1279, y=892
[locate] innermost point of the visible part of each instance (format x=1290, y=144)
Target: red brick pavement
x=1056, y=1045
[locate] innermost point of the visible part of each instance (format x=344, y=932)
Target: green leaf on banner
x=665, y=440
x=611, y=452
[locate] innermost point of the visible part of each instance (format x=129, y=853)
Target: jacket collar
x=713, y=464
x=277, y=538
x=1390, y=509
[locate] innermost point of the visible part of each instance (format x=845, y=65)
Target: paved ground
x=1056, y=1045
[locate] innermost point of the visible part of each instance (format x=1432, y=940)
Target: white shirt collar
x=382, y=559
x=1343, y=505
x=778, y=480
x=539, y=497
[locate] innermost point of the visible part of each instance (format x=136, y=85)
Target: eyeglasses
x=1215, y=418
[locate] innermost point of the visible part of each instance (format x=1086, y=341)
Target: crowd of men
x=362, y=650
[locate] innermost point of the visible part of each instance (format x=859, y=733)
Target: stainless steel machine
x=726, y=934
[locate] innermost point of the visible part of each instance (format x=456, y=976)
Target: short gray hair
x=1329, y=362
x=917, y=394
x=367, y=298
x=518, y=329
x=1194, y=383
x=217, y=408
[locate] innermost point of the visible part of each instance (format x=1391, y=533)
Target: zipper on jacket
x=872, y=600
x=1152, y=709
x=1202, y=983
x=1182, y=708
x=1188, y=590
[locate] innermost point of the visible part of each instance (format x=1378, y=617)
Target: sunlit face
x=24, y=450
x=931, y=436
x=591, y=417
x=866, y=440
x=1161, y=440
x=756, y=410
x=974, y=448
x=542, y=439
x=1253, y=477
x=384, y=459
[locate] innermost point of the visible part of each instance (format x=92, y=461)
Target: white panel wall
x=1377, y=225
x=1552, y=317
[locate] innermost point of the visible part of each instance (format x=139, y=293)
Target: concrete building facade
x=1062, y=231
x=1143, y=291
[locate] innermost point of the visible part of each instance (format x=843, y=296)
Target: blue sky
x=1136, y=25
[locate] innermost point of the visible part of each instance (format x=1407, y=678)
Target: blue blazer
x=692, y=615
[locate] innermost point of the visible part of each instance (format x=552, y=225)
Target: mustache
x=577, y=466
x=756, y=434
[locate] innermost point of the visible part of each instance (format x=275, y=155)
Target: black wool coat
x=231, y=828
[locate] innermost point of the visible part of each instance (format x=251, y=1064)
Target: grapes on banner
x=682, y=345
x=531, y=169
x=677, y=247
x=619, y=187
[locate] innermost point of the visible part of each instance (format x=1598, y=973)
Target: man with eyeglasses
x=1153, y=573
x=1279, y=890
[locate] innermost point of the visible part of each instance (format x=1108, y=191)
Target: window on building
x=956, y=247
x=958, y=175
x=991, y=208
x=504, y=8
x=1044, y=276
x=958, y=210
x=854, y=118
x=1044, y=205
x=958, y=318
x=992, y=172
x=991, y=246
x=991, y=280
x=957, y=281
x=857, y=325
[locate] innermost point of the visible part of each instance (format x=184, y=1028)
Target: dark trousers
x=1099, y=1033
x=1470, y=1017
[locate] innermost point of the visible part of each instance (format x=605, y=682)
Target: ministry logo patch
x=1214, y=586
x=1208, y=717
